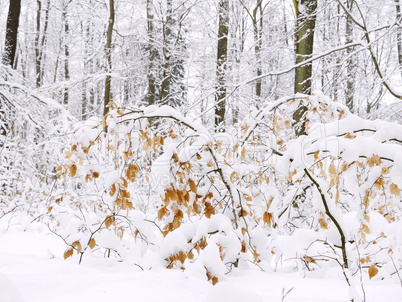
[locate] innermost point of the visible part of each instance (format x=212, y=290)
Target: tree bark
x=10, y=45
x=66, y=52
x=258, y=22
x=108, y=50
x=165, y=88
x=40, y=40
x=399, y=33
x=37, y=37
x=304, y=40
x=350, y=67
x=152, y=54
x=221, y=62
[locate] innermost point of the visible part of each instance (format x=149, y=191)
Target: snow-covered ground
x=32, y=269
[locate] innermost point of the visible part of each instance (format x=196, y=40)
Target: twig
x=329, y=214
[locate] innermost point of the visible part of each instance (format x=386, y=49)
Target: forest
x=206, y=137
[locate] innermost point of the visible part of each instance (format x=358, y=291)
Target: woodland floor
x=32, y=269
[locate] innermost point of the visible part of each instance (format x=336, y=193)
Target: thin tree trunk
x=40, y=40
x=350, y=68
x=66, y=53
x=222, y=51
x=37, y=38
x=152, y=54
x=238, y=39
x=399, y=33
x=108, y=50
x=165, y=89
x=258, y=22
x=10, y=45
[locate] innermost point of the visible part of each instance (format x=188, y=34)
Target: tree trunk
x=66, y=52
x=108, y=50
x=37, y=38
x=399, y=33
x=165, y=89
x=10, y=45
x=304, y=40
x=40, y=40
x=350, y=67
x=222, y=51
x=152, y=54
x=258, y=22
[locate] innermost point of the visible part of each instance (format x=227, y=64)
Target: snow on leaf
x=77, y=245
x=365, y=229
x=243, y=153
x=375, y=160
x=394, y=189
x=385, y=170
x=332, y=169
x=113, y=190
x=344, y=167
x=267, y=218
x=379, y=183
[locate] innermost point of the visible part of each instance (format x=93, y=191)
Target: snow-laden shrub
x=31, y=146
x=152, y=181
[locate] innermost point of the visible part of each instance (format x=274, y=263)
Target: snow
x=32, y=270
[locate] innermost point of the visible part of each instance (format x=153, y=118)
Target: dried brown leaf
x=92, y=243
x=192, y=185
x=373, y=270
x=73, y=170
x=323, y=223
x=68, y=253
x=394, y=189
x=109, y=221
